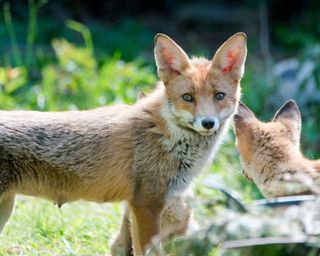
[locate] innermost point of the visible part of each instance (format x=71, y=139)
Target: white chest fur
x=192, y=151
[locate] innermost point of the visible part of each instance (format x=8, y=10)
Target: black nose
x=207, y=123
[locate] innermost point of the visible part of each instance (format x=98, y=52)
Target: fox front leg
x=6, y=207
x=145, y=221
x=122, y=245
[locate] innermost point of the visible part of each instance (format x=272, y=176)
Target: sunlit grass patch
x=38, y=227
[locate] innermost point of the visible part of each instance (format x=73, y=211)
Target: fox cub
x=270, y=152
x=142, y=154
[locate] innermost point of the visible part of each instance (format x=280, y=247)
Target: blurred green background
x=77, y=54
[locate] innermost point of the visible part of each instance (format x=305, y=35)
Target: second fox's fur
x=270, y=152
x=142, y=154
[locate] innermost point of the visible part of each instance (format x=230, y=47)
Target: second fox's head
x=266, y=147
x=201, y=93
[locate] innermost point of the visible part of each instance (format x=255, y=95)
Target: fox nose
x=207, y=123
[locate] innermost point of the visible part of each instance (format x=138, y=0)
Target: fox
x=270, y=152
x=142, y=154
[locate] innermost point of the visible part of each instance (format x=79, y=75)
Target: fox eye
x=187, y=97
x=219, y=95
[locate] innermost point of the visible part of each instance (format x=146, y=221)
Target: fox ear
x=289, y=111
x=231, y=56
x=289, y=115
x=171, y=60
x=243, y=114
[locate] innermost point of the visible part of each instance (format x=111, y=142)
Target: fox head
x=267, y=146
x=201, y=94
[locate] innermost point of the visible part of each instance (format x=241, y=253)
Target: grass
x=38, y=227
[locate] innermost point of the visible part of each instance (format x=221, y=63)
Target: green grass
x=38, y=227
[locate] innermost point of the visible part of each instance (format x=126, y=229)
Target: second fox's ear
x=244, y=113
x=230, y=57
x=289, y=113
x=171, y=60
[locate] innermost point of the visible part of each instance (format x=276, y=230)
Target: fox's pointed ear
x=243, y=113
x=289, y=111
x=242, y=116
x=230, y=57
x=171, y=60
x=289, y=115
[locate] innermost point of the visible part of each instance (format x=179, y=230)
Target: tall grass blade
x=12, y=34
x=32, y=28
x=84, y=31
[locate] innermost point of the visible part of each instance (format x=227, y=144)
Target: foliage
x=74, y=80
